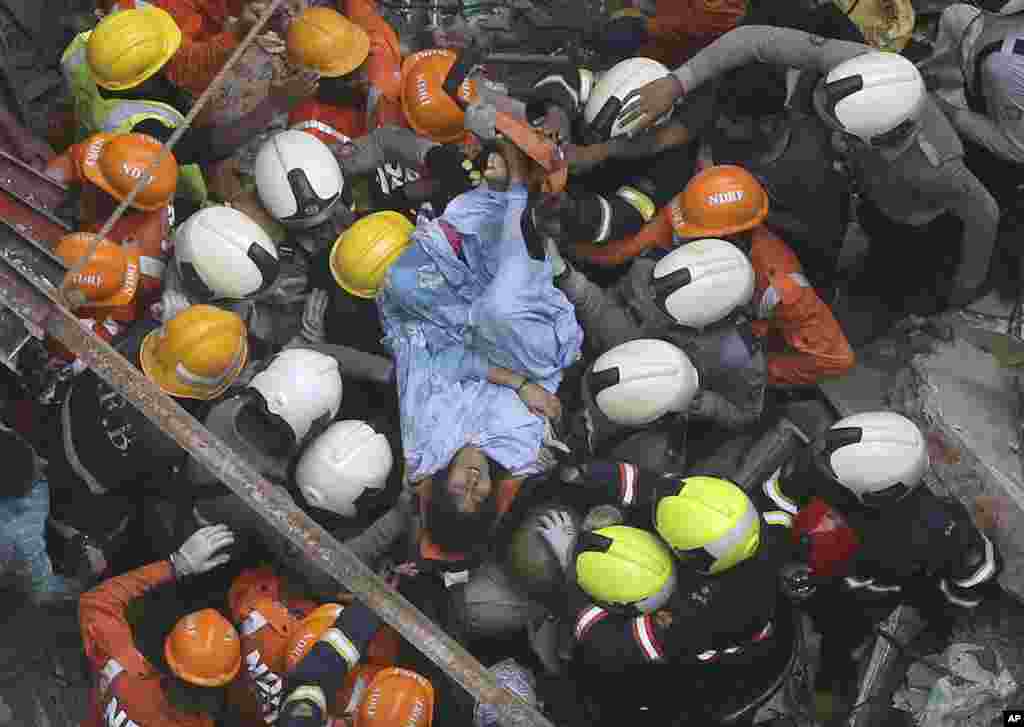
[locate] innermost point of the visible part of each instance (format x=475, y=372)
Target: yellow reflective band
x=311, y=694
x=778, y=517
x=341, y=644
x=638, y=201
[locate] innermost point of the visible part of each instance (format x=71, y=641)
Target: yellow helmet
x=625, y=567
x=197, y=354
x=710, y=524
x=129, y=46
x=325, y=41
x=365, y=251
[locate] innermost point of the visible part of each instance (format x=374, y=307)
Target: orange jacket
x=329, y=123
x=805, y=342
x=129, y=686
x=384, y=64
x=680, y=28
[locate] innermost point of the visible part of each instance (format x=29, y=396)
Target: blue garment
x=23, y=540
x=448, y=318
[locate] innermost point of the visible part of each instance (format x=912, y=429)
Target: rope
x=75, y=297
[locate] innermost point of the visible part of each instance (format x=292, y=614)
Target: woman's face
x=469, y=480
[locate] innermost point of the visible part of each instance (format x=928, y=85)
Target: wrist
x=522, y=385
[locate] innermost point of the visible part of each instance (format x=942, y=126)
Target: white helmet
x=298, y=179
x=876, y=97
x=348, y=458
x=300, y=386
x=617, y=83
x=221, y=253
x=702, y=282
x=878, y=456
x=640, y=381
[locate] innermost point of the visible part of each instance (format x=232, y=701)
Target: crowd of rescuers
x=500, y=348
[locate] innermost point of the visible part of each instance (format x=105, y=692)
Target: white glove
x=314, y=317
x=559, y=531
x=203, y=551
x=551, y=440
x=481, y=119
x=172, y=302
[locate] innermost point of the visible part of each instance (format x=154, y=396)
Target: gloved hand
x=481, y=119
x=314, y=317
x=203, y=551
x=172, y=302
x=560, y=532
x=622, y=37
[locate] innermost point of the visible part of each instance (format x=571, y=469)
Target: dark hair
x=340, y=91
x=753, y=90
x=453, y=530
x=21, y=464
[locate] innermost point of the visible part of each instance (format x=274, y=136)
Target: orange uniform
x=129, y=688
x=680, y=28
x=329, y=123
x=383, y=65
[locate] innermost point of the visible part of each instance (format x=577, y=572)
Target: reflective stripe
x=559, y=80
x=638, y=201
x=253, y=623
x=764, y=633
x=627, y=478
x=774, y=493
x=956, y=600
x=800, y=279
x=211, y=382
x=341, y=644
x=606, y=220
x=125, y=111
x=311, y=694
x=643, y=633
x=778, y=517
x=707, y=655
x=152, y=267
x=883, y=589
x=985, y=571
x=856, y=584
x=587, y=618
x=320, y=126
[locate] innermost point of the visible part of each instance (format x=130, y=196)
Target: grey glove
x=172, y=302
x=203, y=551
x=314, y=317
x=559, y=531
x=481, y=120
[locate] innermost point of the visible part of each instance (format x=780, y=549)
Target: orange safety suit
x=329, y=123
x=383, y=65
x=265, y=627
x=805, y=341
x=129, y=687
x=680, y=28
x=148, y=232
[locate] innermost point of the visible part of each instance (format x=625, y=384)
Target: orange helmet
x=308, y=630
x=116, y=162
x=430, y=111
x=719, y=201
x=397, y=698
x=325, y=41
x=110, y=277
x=262, y=581
x=203, y=649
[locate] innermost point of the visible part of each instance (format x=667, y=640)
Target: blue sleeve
x=460, y=363
x=476, y=211
x=337, y=651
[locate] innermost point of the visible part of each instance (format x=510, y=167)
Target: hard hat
x=397, y=698
x=719, y=201
x=221, y=253
x=830, y=540
x=197, y=354
x=110, y=277
x=363, y=253
x=116, y=162
x=250, y=584
x=343, y=462
x=326, y=42
x=530, y=558
x=128, y=47
x=298, y=179
x=242, y=422
x=640, y=381
x=877, y=97
x=302, y=387
x=203, y=649
x=430, y=111
x=514, y=677
x=702, y=282
x=878, y=456
x=308, y=631
x=605, y=103
x=886, y=24
x=710, y=524
x=621, y=566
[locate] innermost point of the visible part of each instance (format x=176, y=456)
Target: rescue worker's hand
x=655, y=100
x=540, y=401
x=289, y=91
x=559, y=531
x=314, y=317
x=172, y=302
x=203, y=551
x=272, y=43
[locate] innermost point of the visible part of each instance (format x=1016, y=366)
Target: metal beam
x=270, y=502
